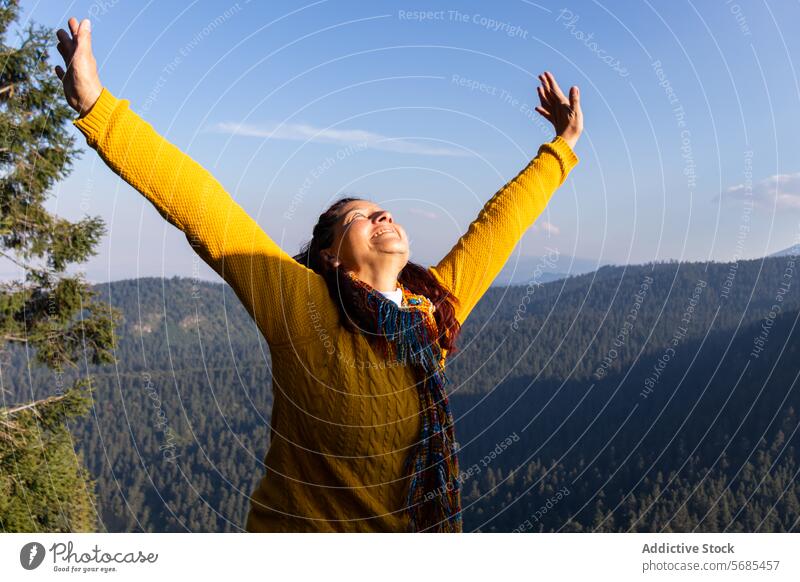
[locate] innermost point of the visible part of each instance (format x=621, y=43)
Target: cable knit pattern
x=343, y=419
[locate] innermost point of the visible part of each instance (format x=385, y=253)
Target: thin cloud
x=547, y=227
x=779, y=191
x=425, y=213
x=344, y=137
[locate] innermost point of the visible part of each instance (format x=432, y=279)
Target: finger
x=556, y=89
x=73, y=26
x=574, y=98
x=544, y=113
x=543, y=98
x=59, y=73
x=63, y=51
x=85, y=34
x=547, y=90
x=545, y=83
x=65, y=41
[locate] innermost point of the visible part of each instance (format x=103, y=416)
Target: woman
x=361, y=435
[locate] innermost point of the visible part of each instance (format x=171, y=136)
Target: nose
x=385, y=216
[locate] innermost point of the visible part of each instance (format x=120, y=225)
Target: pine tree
x=43, y=485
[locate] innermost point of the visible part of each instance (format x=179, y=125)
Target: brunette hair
x=413, y=277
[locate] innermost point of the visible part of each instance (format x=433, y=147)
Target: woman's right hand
x=81, y=82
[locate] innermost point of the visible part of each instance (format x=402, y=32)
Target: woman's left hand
x=565, y=114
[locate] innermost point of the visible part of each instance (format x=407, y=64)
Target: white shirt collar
x=396, y=296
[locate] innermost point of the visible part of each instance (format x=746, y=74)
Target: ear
x=329, y=256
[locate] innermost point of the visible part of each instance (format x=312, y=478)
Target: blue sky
x=689, y=150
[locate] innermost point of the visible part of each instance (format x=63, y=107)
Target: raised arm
x=479, y=255
x=270, y=283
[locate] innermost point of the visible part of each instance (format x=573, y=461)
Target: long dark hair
x=413, y=277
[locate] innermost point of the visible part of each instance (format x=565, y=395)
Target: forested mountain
x=657, y=397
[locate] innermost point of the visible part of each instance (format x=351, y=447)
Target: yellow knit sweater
x=342, y=422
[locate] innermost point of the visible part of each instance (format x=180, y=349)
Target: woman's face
x=366, y=236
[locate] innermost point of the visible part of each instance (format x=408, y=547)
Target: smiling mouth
x=384, y=231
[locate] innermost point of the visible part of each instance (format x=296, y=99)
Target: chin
x=397, y=250
x=392, y=246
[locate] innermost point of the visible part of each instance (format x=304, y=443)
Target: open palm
x=81, y=83
x=564, y=113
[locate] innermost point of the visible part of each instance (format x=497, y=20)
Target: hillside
x=658, y=397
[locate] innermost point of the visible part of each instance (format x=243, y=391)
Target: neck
x=382, y=280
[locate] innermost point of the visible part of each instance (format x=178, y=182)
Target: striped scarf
x=409, y=333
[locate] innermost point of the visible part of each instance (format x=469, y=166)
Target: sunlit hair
x=413, y=277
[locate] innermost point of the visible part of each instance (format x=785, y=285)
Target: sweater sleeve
x=269, y=282
x=477, y=258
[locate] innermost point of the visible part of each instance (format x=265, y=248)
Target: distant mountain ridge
x=651, y=393
x=543, y=269
x=793, y=250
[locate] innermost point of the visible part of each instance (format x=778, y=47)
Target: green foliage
x=57, y=317
x=44, y=486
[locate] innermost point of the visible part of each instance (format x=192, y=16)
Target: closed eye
x=353, y=216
